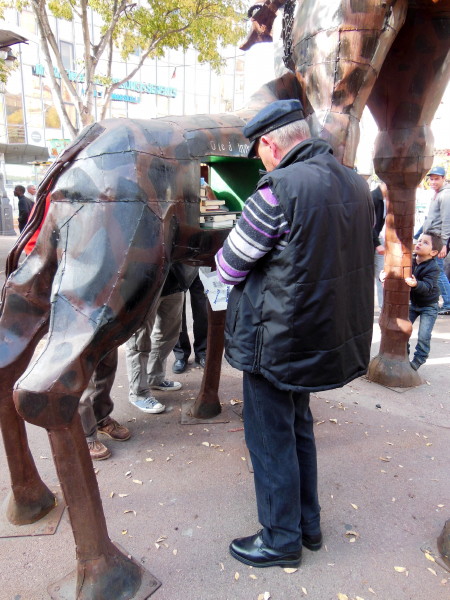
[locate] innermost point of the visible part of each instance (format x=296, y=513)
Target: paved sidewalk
x=175, y=495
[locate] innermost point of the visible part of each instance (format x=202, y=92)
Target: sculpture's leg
x=443, y=543
x=103, y=572
x=403, y=102
x=86, y=322
x=207, y=404
x=23, y=322
x=338, y=48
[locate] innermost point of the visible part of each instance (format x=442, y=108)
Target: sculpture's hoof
x=29, y=510
x=393, y=372
x=205, y=408
x=443, y=543
x=113, y=576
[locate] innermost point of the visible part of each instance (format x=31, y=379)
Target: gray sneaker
x=167, y=386
x=148, y=404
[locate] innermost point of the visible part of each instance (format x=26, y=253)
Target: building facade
x=176, y=84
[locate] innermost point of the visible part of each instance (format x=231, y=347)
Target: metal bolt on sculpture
x=124, y=206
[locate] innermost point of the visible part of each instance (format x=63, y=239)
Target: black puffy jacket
x=427, y=290
x=303, y=316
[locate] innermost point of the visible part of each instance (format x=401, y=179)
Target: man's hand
x=379, y=249
x=411, y=281
x=443, y=252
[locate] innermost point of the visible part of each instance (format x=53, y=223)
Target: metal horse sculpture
x=124, y=206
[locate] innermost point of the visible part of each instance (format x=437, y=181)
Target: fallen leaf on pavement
x=290, y=570
x=352, y=533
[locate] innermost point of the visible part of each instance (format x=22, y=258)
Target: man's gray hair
x=290, y=134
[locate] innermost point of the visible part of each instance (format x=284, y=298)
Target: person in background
x=182, y=350
x=424, y=299
x=299, y=318
x=147, y=349
x=438, y=220
x=379, y=198
x=25, y=206
x=31, y=192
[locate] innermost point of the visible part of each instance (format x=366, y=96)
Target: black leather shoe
x=253, y=551
x=201, y=361
x=179, y=366
x=312, y=542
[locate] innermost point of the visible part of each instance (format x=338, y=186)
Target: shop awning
x=22, y=154
x=9, y=38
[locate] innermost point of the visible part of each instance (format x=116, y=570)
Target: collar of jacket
x=306, y=149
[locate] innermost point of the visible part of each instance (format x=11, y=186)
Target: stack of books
x=214, y=213
x=219, y=219
x=207, y=206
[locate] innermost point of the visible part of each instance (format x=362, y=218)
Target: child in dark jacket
x=424, y=292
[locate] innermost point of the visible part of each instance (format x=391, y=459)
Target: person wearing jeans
x=424, y=292
x=438, y=220
x=305, y=234
x=282, y=490
x=427, y=316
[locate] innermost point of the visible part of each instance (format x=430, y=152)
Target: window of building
x=3, y=132
x=28, y=22
x=14, y=118
x=67, y=57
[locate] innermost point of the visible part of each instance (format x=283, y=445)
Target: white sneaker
x=167, y=386
x=148, y=404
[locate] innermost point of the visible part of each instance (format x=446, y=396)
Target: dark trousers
x=279, y=435
x=200, y=324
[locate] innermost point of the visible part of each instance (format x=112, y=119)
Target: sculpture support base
x=393, y=372
x=46, y=525
x=66, y=588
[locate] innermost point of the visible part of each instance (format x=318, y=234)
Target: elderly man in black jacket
x=299, y=318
